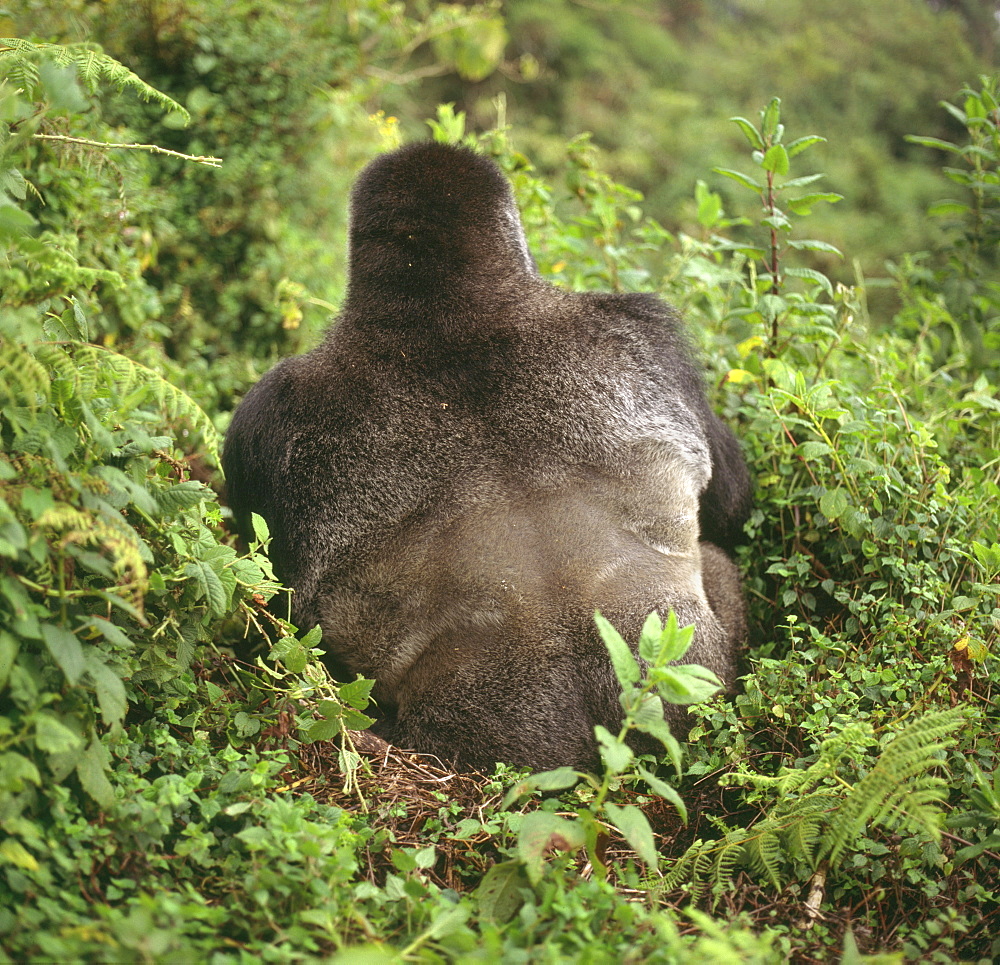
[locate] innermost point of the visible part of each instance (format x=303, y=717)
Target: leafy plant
x=773, y=158
x=645, y=688
x=818, y=817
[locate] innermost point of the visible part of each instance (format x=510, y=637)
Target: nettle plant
x=647, y=684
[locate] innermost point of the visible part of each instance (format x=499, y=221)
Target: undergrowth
x=179, y=777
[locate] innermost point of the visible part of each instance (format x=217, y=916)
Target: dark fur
x=474, y=461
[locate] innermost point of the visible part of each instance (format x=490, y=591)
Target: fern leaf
x=899, y=789
x=23, y=379
x=89, y=362
x=92, y=66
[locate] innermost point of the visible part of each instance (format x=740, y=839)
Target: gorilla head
x=474, y=461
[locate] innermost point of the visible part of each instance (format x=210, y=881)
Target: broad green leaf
x=542, y=831
x=13, y=852
x=210, y=586
x=357, y=693
x=499, y=893
x=776, y=160
x=634, y=826
x=66, y=650
x=624, y=663
x=91, y=770
x=54, y=737
x=260, y=531
x=322, y=730
x=110, y=691
x=555, y=780
x=813, y=450
x=833, y=502
x=616, y=755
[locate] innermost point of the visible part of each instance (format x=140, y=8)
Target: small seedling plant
x=647, y=683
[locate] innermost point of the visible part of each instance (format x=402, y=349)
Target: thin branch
x=152, y=148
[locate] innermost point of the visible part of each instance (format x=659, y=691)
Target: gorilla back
x=473, y=461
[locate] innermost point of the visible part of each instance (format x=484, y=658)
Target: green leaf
x=13, y=852
x=210, y=586
x=66, y=650
x=260, y=531
x=182, y=496
x=776, y=160
x=542, y=831
x=555, y=780
x=322, y=730
x=801, y=143
x=499, y=895
x=616, y=754
x=110, y=691
x=54, y=737
x=804, y=205
x=750, y=132
x=833, y=503
x=91, y=771
x=624, y=663
x=357, y=693
x=812, y=245
x=935, y=142
x=740, y=178
x=664, y=790
x=635, y=828
x=771, y=118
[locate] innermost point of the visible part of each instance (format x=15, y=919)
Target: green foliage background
x=155, y=802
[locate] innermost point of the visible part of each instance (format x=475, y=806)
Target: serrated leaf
x=181, y=496
x=555, y=780
x=210, y=586
x=624, y=663
x=323, y=730
x=261, y=533
x=110, y=692
x=357, y=693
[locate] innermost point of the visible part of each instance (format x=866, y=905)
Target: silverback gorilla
x=474, y=461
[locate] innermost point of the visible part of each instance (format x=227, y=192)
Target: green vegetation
x=180, y=779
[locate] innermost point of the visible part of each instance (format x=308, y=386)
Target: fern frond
x=898, y=790
x=133, y=383
x=121, y=544
x=23, y=379
x=92, y=66
x=764, y=854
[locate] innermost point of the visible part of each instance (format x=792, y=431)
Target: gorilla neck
x=384, y=284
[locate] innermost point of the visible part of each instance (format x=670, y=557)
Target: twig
x=213, y=162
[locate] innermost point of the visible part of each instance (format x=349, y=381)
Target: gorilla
x=474, y=461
